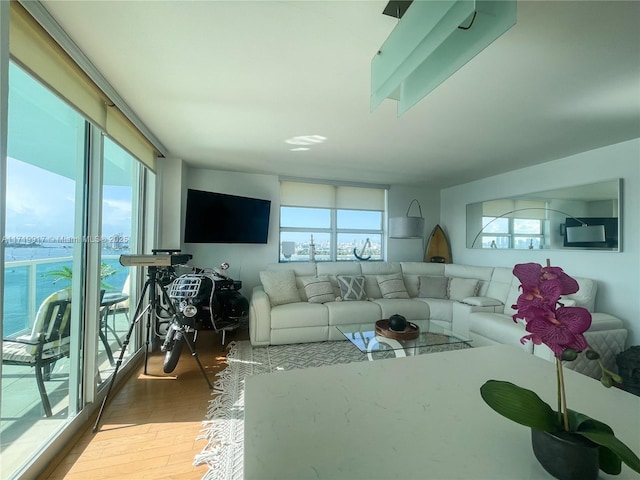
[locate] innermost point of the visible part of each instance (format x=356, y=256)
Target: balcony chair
x=123, y=306
x=47, y=343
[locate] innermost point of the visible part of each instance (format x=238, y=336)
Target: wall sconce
x=431, y=42
x=407, y=227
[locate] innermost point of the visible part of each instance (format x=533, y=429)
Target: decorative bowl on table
x=411, y=331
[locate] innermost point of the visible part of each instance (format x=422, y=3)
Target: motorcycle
x=202, y=300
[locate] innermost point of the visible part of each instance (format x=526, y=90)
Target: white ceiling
x=223, y=84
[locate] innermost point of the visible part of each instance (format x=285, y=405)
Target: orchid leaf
x=609, y=441
x=519, y=405
x=612, y=450
x=609, y=462
x=581, y=422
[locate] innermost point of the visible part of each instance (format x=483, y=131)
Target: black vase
x=397, y=323
x=566, y=456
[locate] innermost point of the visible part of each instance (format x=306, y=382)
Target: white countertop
x=412, y=418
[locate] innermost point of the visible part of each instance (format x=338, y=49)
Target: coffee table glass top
x=364, y=337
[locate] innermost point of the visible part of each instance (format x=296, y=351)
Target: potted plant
x=568, y=444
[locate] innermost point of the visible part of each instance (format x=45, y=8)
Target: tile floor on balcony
x=23, y=426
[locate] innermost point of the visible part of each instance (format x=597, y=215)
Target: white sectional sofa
x=475, y=303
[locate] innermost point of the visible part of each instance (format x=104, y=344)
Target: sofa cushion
x=500, y=284
x=433, y=287
x=301, y=270
x=280, y=286
x=343, y=313
x=482, y=274
x=392, y=286
x=351, y=287
x=412, y=270
x=439, y=308
x=461, y=288
x=339, y=268
x=499, y=328
x=319, y=289
x=512, y=297
x=371, y=270
x=298, y=315
x=411, y=309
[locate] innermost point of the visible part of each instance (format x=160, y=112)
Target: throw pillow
x=461, y=288
x=433, y=287
x=351, y=287
x=280, y=286
x=392, y=286
x=319, y=289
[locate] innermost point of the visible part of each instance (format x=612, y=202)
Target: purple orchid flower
x=557, y=327
x=559, y=330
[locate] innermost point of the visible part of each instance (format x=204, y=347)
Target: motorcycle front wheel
x=174, y=349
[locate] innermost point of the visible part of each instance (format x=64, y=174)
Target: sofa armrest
x=259, y=317
x=484, y=302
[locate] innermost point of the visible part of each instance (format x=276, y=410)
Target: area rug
x=224, y=427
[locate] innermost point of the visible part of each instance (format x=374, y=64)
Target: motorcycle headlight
x=190, y=311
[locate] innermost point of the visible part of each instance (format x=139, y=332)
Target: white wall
x=618, y=273
x=169, y=187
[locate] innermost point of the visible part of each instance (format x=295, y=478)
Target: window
x=59, y=179
x=118, y=237
x=515, y=224
x=43, y=222
x=321, y=222
x=49, y=237
x=518, y=233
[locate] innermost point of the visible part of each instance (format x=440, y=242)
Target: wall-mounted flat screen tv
x=220, y=218
x=591, y=232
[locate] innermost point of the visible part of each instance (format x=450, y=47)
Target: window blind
x=527, y=209
x=320, y=195
x=32, y=47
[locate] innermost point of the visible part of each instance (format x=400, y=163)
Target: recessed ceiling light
x=300, y=149
x=306, y=140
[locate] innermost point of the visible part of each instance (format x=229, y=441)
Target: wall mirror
x=585, y=217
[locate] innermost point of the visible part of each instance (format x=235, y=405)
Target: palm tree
x=65, y=273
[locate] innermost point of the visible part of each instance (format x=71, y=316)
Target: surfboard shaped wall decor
x=438, y=247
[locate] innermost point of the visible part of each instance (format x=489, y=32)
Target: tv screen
x=592, y=232
x=220, y=218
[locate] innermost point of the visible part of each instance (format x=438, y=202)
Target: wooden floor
x=149, y=427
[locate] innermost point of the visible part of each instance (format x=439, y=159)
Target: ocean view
x=27, y=265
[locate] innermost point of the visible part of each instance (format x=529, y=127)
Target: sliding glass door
x=119, y=194
x=43, y=262
x=65, y=226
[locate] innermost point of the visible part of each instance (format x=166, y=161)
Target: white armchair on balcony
x=47, y=343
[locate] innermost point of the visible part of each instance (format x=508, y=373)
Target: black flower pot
x=566, y=456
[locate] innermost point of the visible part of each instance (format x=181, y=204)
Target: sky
x=41, y=203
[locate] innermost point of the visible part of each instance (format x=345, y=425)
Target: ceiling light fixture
x=306, y=140
x=431, y=41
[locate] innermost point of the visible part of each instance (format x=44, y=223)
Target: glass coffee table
x=430, y=338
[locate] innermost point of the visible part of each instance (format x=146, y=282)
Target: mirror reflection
x=579, y=217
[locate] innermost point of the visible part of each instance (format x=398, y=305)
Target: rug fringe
x=225, y=420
